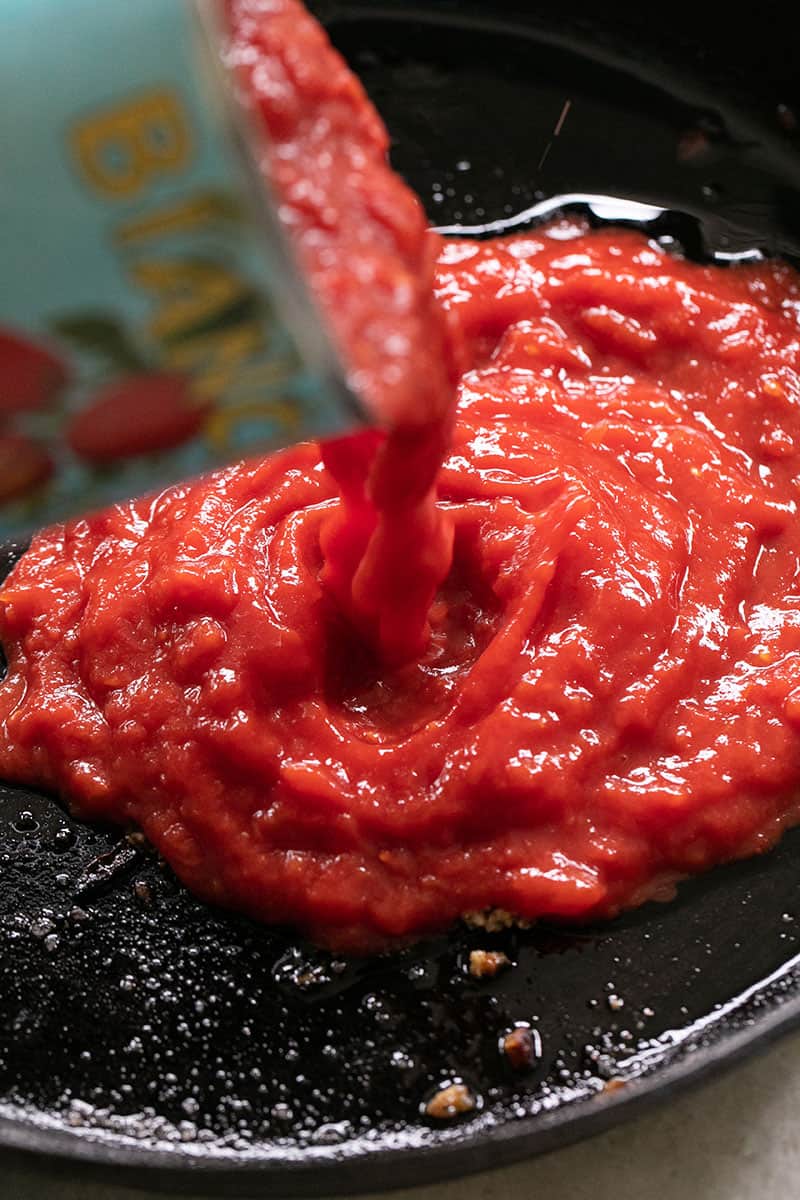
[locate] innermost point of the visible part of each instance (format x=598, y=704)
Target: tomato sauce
x=367, y=251
x=604, y=693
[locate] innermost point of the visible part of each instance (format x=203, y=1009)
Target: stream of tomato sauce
x=351, y=691
x=367, y=251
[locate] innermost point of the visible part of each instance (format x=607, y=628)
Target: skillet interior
x=138, y=1027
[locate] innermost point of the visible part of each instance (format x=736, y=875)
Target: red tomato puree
x=364, y=242
x=603, y=695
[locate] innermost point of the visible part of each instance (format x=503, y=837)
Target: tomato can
x=152, y=323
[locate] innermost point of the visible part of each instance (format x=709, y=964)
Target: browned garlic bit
x=485, y=964
x=520, y=1049
x=491, y=919
x=451, y=1101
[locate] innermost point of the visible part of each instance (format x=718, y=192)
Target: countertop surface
x=733, y=1139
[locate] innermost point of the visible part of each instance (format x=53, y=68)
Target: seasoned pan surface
x=199, y=1050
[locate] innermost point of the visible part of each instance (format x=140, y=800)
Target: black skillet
x=140, y=1029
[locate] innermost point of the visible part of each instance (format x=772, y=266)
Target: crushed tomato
x=603, y=695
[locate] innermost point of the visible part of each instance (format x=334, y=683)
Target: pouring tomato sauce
x=364, y=694
x=363, y=240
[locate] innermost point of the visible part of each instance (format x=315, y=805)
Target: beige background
x=733, y=1139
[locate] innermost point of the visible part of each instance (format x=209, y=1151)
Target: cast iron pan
x=141, y=1030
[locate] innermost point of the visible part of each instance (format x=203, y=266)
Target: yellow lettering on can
x=191, y=293
x=222, y=423
x=215, y=359
x=207, y=208
x=120, y=150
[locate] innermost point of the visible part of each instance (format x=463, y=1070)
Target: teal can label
x=152, y=326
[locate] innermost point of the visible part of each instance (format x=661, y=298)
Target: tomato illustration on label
x=24, y=466
x=138, y=408
x=31, y=375
x=139, y=414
